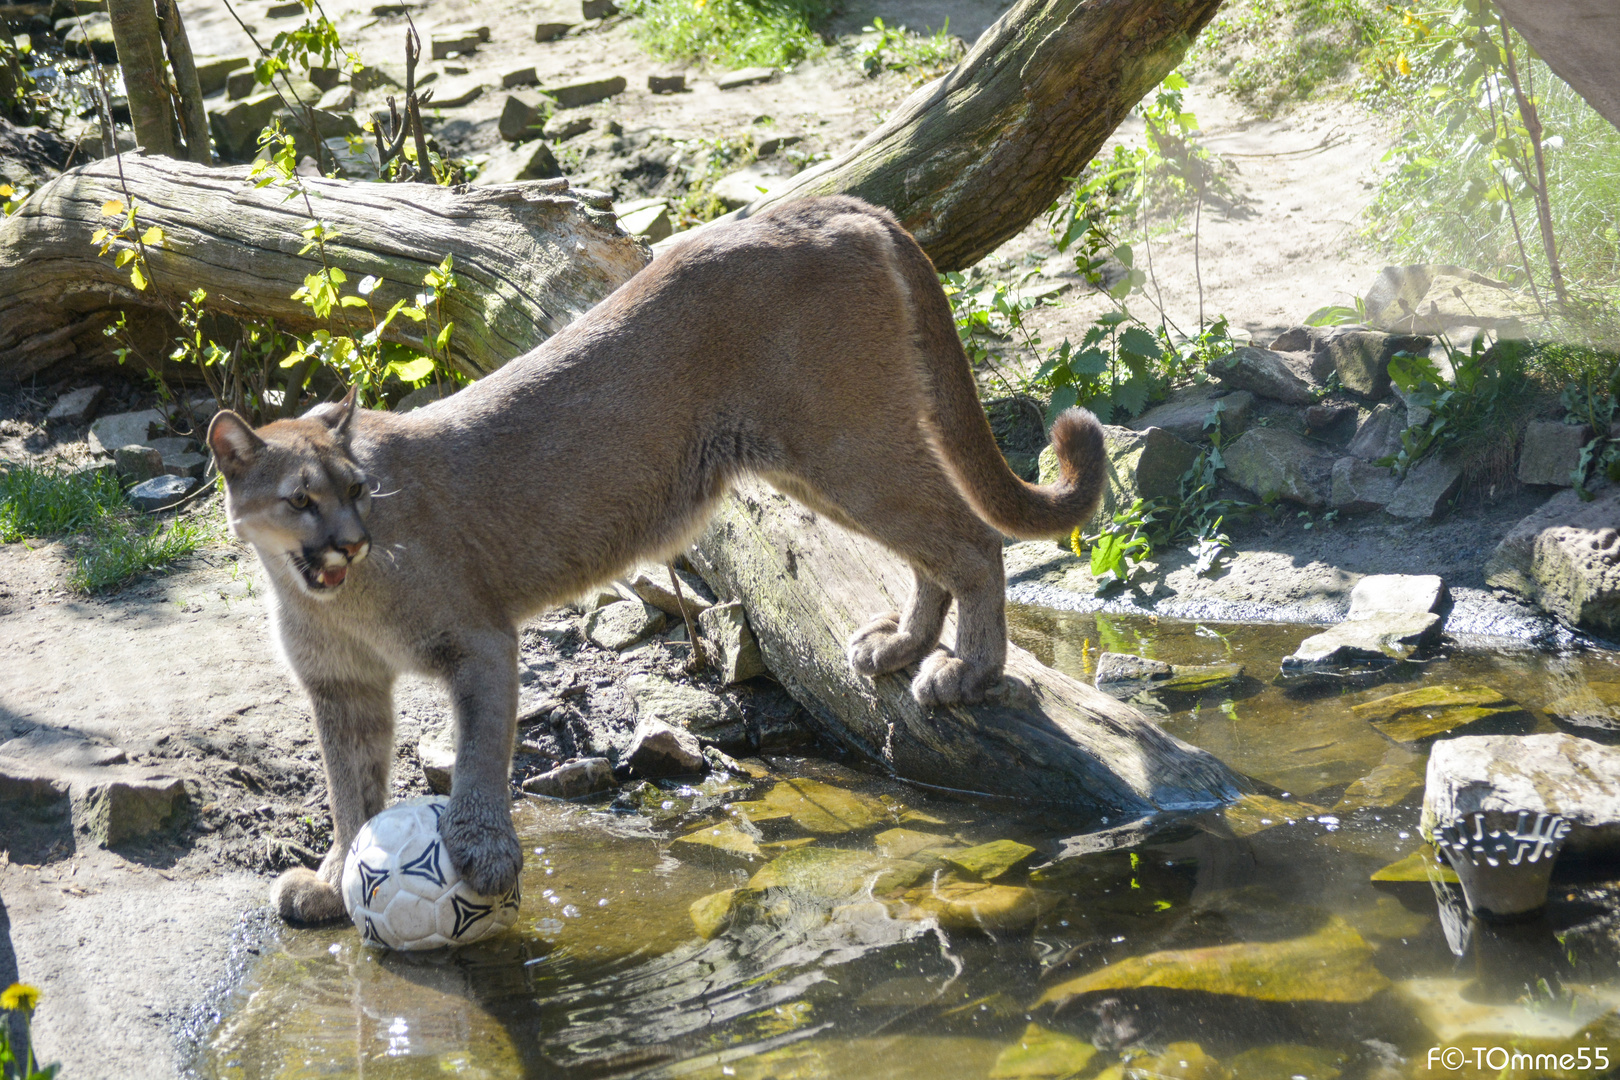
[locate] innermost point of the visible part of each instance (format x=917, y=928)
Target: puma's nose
x=355, y=550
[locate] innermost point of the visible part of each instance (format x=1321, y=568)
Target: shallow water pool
x=803, y=919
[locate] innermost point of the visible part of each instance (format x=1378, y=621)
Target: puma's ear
x=234, y=444
x=342, y=418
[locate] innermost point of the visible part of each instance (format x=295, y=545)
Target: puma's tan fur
x=810, y=345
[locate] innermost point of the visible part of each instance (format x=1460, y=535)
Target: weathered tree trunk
x=140, y=55
x=970, y=159
x=193, y=115
x=530, y=258
x=807, y=585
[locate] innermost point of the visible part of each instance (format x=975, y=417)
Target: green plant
x=110, y=541
x=1273, y=52
x=21, y=999
x=1475, y=415
x=715, y=157
x=1121, y=545
x=731, y=33
x=1594, y=402
x=897, y=49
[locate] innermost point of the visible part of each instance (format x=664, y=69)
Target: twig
x=286, y=78
x=699, y=661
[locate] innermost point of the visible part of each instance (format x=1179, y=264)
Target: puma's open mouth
x=323, y=578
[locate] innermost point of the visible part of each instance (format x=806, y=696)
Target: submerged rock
x=814, y=807
x=1041, y=1053
x=973, y=905
x=1256, y=813
x=1123, y=675
x=725, y=838
x=1384, y=787
x=712, y=914
x=1416, y=715
x=1444, y=1006
x=1566, y=557
x=1595, y=705
x=989, y=861
x=1561, y=774
x=1333, y=964
x=1288, y=1061
x=1420, y=866
x=833, y=874
x=904, y=843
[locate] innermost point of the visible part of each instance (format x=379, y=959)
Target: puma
x=810, y=345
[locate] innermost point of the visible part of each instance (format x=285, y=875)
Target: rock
x=1142, y=465
x=236, y=128
x=1263, y=373
x=986, y=862
x=456, y=92
x=652, y=222
x=1276, y=463
x=519, y=76
x=92, y=37
x=725, y=838
x=1452, y=1012
x=1577, y=575
x=185, y=463
x=710, y=717
x=1426, y=492
x=133, y=464
x=586, y=92
x=1183, y=414
x=1562, y=519
x=162, y=491
x=118, y=812
x=1595, y=705
x=521, y=117
x=1323, y=417
x=1257, y=813
x=75, y=407
x=1360, y=487
x=659, y=749
x=1361, y=358
x=559, y=128
x=1561, y=774
x=597, y=9
x=742, y=187
x=1427, y=298
x=1378, y=593
x=525, y=161
x=814, y=807
x=551, y=31
x=1123, y=675
x=1129, y=668
x=972, y=905
x=436, y=751
x=1551, y=452
x=768, y=143
x=1379, y=436
x=712, y=914
x=240, y=84
x=289, y=10
x=1282, y=1061
x=1415, y=715
x=824, y=874
x=1333, y=964
x=1042, y=1053
x=453, y=41
x=1354, y=644
x=342, y=99
x=212, y=71
x=573, y=780
x=1295, y=339
x=380, y=76
x=725, y=628
x=904, y=843
x=652, y=585
x=624, y=623
x=1421, y=867
x=123, y=429
x=666, y=84
x=745, y=77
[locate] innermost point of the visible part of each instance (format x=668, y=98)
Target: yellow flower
x=20, y=997
x=1403, y=65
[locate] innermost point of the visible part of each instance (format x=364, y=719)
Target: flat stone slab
x=1555, y=774
x=586, y=91
x=1263, y=373
x=1595, y=705
x=76, y=406
x=573, y=780
x=652, y=584
x=1384, y=638
x=1416, y=715
x=745, y=77
x=1377, y=593
x=161, y=491
x=124, y=429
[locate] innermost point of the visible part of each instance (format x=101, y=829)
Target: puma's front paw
x=303, y=896
x=880, y=647
x=481, y=843
x=946, y=680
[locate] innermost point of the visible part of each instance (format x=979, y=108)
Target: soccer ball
x=403, y=893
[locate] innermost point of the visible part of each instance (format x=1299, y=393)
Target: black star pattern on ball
x=511, y=899
x=371, y=880
x=467, y=913
x=438, y=812
x=369, y=932
x=426, y=865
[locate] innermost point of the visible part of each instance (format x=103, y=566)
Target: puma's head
x=294, y=491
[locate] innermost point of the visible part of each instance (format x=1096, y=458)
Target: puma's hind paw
x=302, y=896
x=947, y=680
x=881, y=646
x=482, y=845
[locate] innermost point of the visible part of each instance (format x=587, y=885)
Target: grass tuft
x=731, y=33
x=1275, y=52
x=112, y=543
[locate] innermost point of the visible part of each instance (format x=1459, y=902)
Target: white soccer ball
x=401, y=890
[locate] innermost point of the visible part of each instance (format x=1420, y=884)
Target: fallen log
x=530, y=257
x=807, y=584
x=971, y=158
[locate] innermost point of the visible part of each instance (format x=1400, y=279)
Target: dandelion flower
x=1403, y=65
x=20, y=997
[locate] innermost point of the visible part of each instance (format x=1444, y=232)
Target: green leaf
x=413, y=371
x=1107, y=554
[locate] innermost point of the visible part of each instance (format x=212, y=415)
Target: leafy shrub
x=731, y=33
x=1273, y=52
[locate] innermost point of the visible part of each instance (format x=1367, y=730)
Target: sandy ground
x=132, y=946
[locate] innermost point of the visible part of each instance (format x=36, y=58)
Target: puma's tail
x=965, y=442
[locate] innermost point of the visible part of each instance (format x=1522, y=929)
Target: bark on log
x=807, y=584
x=970, y=159
x=530, y=257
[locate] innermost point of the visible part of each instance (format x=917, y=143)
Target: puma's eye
x=355, y=489
x=299, y=500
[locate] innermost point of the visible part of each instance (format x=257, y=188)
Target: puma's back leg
x=896, y=640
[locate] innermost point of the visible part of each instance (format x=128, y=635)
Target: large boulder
x=1262, y=372
x=1360, y=487
x=1141, y=465
x=1429, y=298
x=1426, y=492
x=1276, y=463
x=1379, y=436
x=1566, y=557
x=236, y=127
x=1185, y=412
x=1551, y=451
x=1361, y=358
x=1549, y=774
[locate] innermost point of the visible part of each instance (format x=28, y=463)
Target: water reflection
x=810, y=921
